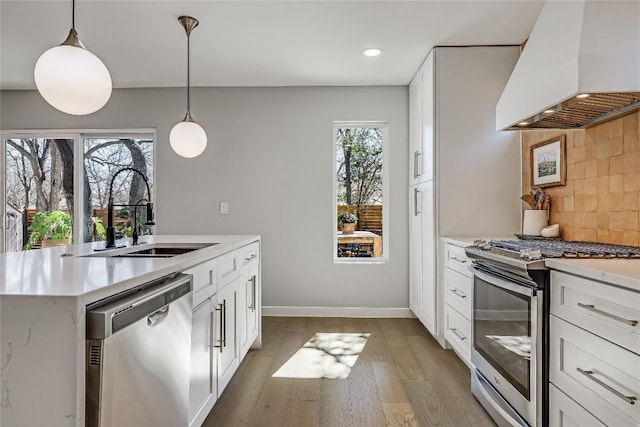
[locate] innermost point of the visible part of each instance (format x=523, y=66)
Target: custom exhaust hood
x=580, y=66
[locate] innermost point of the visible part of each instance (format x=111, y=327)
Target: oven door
x=505, y=336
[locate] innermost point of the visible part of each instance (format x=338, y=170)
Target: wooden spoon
x=527, y=201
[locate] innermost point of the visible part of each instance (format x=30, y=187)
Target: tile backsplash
x=601, y=199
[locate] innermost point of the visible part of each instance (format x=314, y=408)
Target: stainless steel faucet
x=111, y=235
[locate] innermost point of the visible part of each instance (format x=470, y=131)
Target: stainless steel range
x=510, y=335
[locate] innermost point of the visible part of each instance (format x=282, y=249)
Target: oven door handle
x=501, y=283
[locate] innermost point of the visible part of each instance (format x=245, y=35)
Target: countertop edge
x=618, y=272
x=159, y=268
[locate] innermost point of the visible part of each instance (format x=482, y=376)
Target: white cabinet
x=248, y=308
x=226, y=335
x=249, y=298
x=225, y=324
x=606, y=311
x=473, y=169
x=203, y=390
x=594, y=356
x=564, y=412
x=421, y=120
x=415, y=129
x=204, y=280
x=458, y=293
x=422, y=256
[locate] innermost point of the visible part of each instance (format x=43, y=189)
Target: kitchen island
x=43, y=299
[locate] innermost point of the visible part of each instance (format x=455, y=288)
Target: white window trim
x=78, y=136
x=385, y=191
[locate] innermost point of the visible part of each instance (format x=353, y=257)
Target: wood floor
x=402, y=378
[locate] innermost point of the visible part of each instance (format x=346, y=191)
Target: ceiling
x=255, y=43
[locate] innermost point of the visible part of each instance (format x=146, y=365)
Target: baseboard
x=287, y=311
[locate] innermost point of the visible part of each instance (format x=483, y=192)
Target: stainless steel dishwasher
x=138, y=354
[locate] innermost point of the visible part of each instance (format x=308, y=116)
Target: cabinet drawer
x=605, y=310
x=249, y=254
x=456, y=259
x=457, y=331
x=597, y=374
x=204, y=281
x=228, y=268
x=458, y=288
x=564, y=412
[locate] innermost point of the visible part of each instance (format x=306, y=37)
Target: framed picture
x=548, y=162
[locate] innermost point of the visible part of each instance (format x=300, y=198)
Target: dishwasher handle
x=158, y=316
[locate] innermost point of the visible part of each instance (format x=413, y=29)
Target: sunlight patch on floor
x=326, y=355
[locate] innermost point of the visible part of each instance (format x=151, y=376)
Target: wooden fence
x=28, y=215
x=369, y=217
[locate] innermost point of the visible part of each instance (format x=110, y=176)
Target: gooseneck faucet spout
x=111, y=234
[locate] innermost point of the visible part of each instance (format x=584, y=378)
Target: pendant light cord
x=188, y=75
x=73, y=14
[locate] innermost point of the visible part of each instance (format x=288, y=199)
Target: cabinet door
x=243, y=312
x=564, y=412
x=415, y=128
x=415, y=252
x=202, y=384
x=426, y=158
x=427, y=216
x=249, y=307
x=228, y=360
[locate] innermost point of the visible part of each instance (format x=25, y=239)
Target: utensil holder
x=534, y=221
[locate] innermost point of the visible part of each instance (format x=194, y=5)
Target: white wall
x=269, y=156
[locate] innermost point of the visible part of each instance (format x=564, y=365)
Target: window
x=103, y=157
x=360, y=186
x=51, y=196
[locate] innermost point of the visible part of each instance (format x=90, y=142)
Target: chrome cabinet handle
x=455, y=291
x=224, y=322
x=252, y=307
x=589, y=374
x=250, y=258
x=455, y=258
x=416, y=164
x=593, y=308
x=223, y=327
x=416, y=212
x=458, y=334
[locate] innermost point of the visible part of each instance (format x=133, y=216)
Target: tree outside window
x=359, y=188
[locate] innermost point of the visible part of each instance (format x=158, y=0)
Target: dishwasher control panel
x=176, y=293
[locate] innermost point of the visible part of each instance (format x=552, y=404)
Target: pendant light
x=72, y=79
x=187, y=138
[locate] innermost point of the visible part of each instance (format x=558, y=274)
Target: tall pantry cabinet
x=464, y=176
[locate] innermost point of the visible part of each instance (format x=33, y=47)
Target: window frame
x=385, y=190
x=78, y=136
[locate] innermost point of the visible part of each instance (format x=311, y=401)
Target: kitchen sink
x=154, y=250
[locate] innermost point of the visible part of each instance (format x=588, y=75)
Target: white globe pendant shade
x=188, y=139
x=73, y=80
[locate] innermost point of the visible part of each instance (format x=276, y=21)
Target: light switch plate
x=224, y=208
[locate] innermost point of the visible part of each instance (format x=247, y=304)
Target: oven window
x=502, y=332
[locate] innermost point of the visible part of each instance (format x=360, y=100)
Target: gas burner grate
x=575, y=249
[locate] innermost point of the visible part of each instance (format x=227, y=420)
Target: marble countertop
x=619, y=272
x=46, y=272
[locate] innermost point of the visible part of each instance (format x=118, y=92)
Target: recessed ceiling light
x=523, y=123
x=372, y=51
x=583, y=95
x=549, y=111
